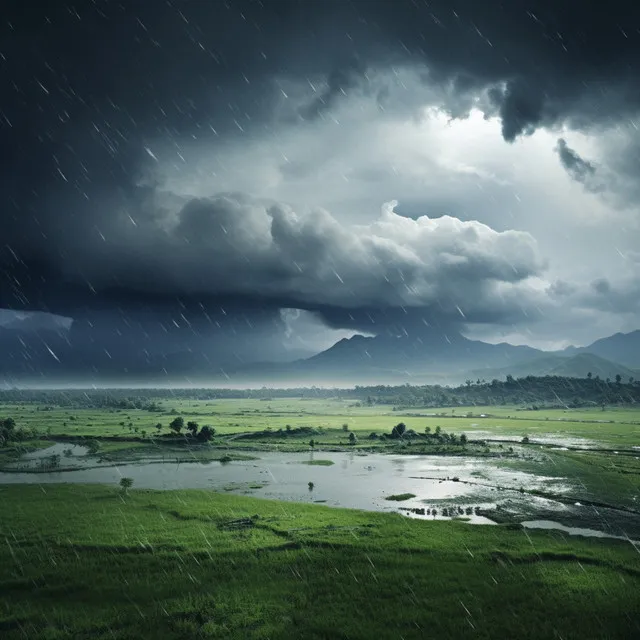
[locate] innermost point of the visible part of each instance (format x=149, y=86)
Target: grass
x=84, y=561
x=614, y=427
x=401, y=497
x=319, y=463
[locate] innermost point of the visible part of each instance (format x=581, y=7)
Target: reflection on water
x=354, y=481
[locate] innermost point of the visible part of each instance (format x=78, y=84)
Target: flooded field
x=438, y=483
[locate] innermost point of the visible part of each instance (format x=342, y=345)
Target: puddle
x=557, y=441
x=572, y=531
x=58, y=455
x=61, y=449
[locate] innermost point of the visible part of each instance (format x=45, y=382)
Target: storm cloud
x=95, y=94
x=242, y=248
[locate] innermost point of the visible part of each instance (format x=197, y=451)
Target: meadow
x=89, y=561
x=614, y=426
x=82, y=561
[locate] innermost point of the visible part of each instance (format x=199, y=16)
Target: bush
x=398, y=430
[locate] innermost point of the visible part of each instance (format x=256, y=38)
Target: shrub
x=398, y=430
x=125, y=484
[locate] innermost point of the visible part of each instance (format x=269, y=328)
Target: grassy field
x=86, y=562
x=616, y=427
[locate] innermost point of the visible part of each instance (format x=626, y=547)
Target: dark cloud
x=265, y=254
x=90, y=88
x=340, y=80
x=580, y=170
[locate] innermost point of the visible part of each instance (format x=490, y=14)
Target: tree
x=125, y=484
x=9, y=424
x=438, y=431
x=192, y=427
x=589, y=375
x=352, y=438
x=159, y=427
x=177, y=424
x=345, y=427
x=398, y=430
x=618, y=378
x=427, y=431
x=312, y=443
x=206, y=433
x=463, y=439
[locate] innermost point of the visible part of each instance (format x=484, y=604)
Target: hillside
x=620, y=347
x=577, y=366
x=425, y=353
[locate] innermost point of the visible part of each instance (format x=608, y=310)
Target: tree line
x=532, y=391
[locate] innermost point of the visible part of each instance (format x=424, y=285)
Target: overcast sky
x=377, y=165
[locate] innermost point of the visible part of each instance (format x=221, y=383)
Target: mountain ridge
x=33, y=349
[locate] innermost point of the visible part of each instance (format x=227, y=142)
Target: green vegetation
x=119, y=562
x=542, y=392
x=82, y=562
x=401, y=497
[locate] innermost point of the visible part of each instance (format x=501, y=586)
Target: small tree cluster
x=204, y=434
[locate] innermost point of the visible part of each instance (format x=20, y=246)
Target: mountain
x=620, y=347
x=38, y=347
x=426, y=354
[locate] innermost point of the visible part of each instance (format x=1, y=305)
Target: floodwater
x=353, y=481
x=573, y=531
x=557, y=440
x=70, y=455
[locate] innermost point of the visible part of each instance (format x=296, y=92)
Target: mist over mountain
x=125, y=348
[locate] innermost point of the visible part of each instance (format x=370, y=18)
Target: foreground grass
x=83, y=561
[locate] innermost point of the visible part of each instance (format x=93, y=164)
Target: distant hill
x=620, y=347
x=577, y=366
x=43, y=346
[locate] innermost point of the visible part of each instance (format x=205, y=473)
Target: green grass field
x=86, y=562
x=615, y=427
